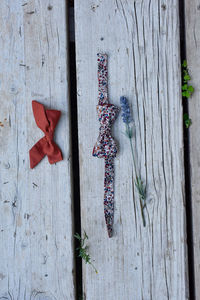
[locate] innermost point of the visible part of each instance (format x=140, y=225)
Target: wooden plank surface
x=192, y=21
x=141, y=39
x=36, y=240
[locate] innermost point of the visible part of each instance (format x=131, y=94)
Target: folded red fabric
x=46, y=120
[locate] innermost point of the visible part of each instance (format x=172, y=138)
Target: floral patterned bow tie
x=105, y=146
x=46, y=120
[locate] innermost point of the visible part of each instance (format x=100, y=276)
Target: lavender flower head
x=126, y=114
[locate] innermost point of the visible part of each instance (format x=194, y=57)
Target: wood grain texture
x=192, y=21
x=36, y=243
x=141, y=39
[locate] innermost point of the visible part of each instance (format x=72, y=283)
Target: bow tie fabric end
x=46, y=120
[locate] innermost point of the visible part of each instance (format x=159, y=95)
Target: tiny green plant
x=187, y=90
x=187, y=120
x=83, y=249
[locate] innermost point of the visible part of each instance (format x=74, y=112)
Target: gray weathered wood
x=36, y=243
x=192, y=21
x=141, y=39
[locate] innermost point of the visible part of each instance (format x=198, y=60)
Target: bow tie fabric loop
x=46, y=120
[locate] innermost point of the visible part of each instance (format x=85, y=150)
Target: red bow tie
x=46, y=120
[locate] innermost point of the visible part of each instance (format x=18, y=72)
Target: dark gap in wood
x=187, y=164
x=75, y=150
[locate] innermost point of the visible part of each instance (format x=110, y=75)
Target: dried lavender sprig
x=141, y=187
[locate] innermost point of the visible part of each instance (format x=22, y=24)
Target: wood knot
x=7, y=166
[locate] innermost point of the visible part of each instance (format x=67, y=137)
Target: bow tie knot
x=106, y=146
x=105, y=130
x=49, y=136
x=107, y=114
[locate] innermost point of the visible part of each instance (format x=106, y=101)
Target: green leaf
x=77, y=236
x=185, y=72
x=184, y=64
x=188, y=123
x=190, y=89
x=85, y=236
x=186, y=94
x=187, y=120
x=184, y=87
x=187, y=77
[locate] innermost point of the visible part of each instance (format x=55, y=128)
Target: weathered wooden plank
x=192, y=21
x=36, y=243
x=141, y=39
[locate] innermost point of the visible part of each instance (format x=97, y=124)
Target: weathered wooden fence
x=142, y=40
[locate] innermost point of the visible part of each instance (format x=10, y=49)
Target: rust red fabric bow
x=46, y=120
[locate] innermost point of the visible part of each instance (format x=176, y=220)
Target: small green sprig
x=141, y=187
x=187, y=90
x=187, y=120
x=83, y=249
